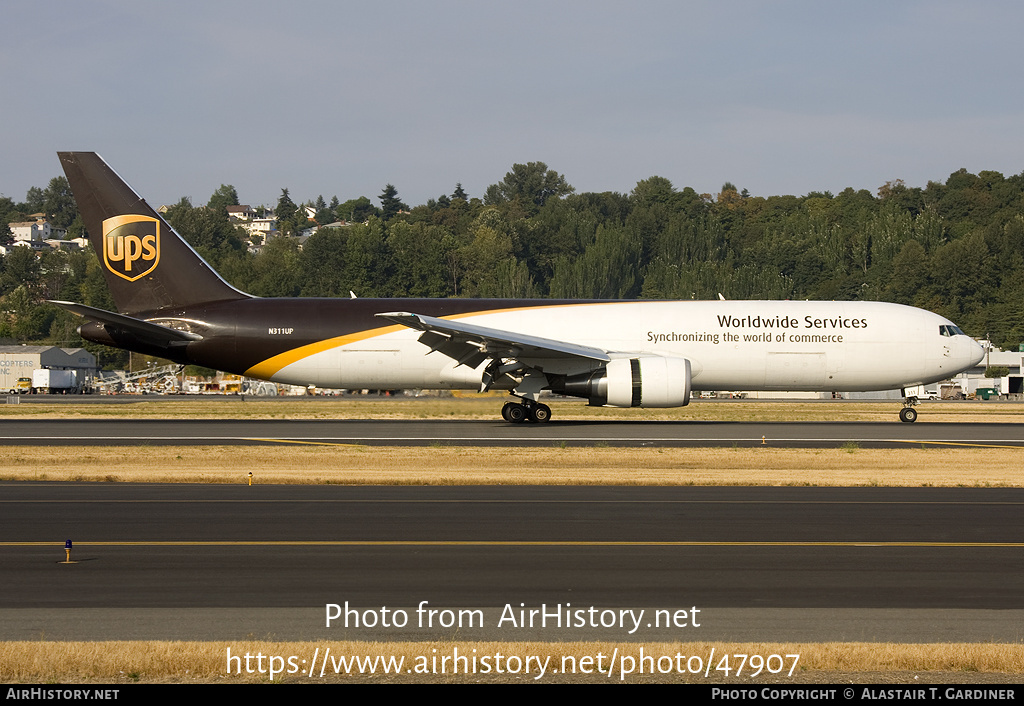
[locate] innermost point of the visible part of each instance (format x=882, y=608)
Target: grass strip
x=375, y=465
x=206, y=662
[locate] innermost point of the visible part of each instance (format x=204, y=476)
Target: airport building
x=21, y=362
x=1010, y=384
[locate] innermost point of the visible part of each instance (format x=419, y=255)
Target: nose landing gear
x=908, y=414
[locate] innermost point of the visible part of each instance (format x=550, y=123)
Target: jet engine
x=646, y=381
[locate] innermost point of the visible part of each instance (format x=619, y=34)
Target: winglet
x=404, y=318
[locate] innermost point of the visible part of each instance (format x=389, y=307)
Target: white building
x=36, y=231
x=261, y=226
x=241, y=213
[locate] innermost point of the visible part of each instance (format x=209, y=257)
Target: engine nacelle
x=646, y=381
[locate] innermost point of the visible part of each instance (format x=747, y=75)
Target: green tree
x=528, y=186
x=653, y=190
x=511, y=280
x=323, y=215
x=224, y=196
x=23, y=317
x=35, y=200
x=323, y=263
x=286, y=213
x=390, y=204
x=367, y=260
x=277, y=270
x=9, y=213
x=481, y=257
x=19, y=268
x=417, y=257
x=59, y=203
x=909, y=273
x=356, y=210
x=208, y=231
x=608, y=269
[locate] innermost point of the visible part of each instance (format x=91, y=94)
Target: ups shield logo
x=131, y=245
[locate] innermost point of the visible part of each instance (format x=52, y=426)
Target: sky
x=339, y=98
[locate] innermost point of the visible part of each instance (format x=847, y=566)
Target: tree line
x=953, y=247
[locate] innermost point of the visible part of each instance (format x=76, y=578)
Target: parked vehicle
x=47, y=381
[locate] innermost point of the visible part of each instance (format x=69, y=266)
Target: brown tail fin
x=147, y=265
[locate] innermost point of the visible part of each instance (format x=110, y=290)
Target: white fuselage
x=731, y=345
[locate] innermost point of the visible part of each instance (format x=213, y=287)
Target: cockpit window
x=950, y=330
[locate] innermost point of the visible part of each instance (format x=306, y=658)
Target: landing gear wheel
x=540, y=413
x=514, y=412
x=504, y=411
x=908, y=415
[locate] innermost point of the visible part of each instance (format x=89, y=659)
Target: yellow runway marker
x=959, y=443
x=306, y=443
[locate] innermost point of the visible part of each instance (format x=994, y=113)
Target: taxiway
x=123, y=431
x=226, y=562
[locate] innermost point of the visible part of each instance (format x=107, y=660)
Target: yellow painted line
x=957, y=443
x=309, y=443
x=514, y=543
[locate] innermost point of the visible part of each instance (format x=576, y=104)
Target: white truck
x=923, y=392
x=53, y=382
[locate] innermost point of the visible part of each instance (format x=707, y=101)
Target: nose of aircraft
x=975, y=353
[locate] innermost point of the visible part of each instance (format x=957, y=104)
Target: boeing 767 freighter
x=618, y=353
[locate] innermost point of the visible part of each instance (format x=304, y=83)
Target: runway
x=226, y=562
x=121, y=431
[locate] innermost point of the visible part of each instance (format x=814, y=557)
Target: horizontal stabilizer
x=143, y=329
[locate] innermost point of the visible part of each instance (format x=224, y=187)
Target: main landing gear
x=526, y=411
x=908, y=414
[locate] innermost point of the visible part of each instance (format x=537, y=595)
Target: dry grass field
x=206, y=662
x=440, y=465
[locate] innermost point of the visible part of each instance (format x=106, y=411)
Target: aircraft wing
x=144, y=330
x=471, y=345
